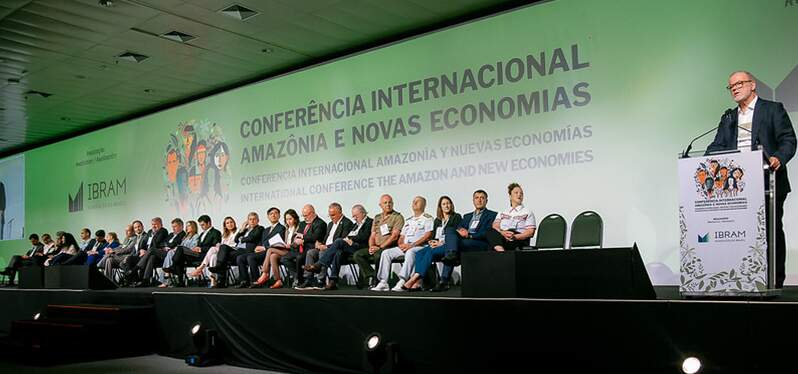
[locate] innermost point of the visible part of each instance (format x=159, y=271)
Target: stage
x=316, y=331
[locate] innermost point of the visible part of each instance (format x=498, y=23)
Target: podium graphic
x=726, y=248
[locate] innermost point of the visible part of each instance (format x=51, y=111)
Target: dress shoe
x=6, y=272
x=330, y=286
x=243, y=285
x=277, y=284
x=441, y=287
x=308, y=284
x=141, y=285
x=313, y=268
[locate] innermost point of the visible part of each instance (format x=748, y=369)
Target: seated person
x=28, y=259
x=357, y=239
x=67, y=247
x=206, y=248
x=86, y=241
x=338, y=227
x=248, y=237
x=514, y=226
x=90, y=255
x=189, y=242
x=385, y=232
x=416, y=231
x=135, y=239
x=470, y=236
x=447, y=219
x=271, y=263
x=311, y=230
x=137, y=263
x=156, y=254
x=251, y=261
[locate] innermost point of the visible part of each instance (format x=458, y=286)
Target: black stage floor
x=316, y=331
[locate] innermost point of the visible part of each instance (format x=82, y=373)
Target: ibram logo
x=786, y=92
x=76, y=203
x=703, y=238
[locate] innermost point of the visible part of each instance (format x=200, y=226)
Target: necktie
x=305, y=231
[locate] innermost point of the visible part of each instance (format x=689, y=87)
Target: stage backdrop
x=585, y=103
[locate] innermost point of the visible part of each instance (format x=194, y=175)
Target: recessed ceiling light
x=132, y=57
x=178, y=36
x=238, y=12
x=106, y=3
x=38, y=93
x=267, y=50
x=149, y=90
x=13, y=80
x=66, y=119
x=80, y=76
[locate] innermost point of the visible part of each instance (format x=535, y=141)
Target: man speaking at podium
x=756, y=121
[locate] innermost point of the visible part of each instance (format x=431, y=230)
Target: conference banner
x=723, y=241
x=581, y=102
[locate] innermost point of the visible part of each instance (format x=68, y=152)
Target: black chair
x=550, y=233
x=587, y=231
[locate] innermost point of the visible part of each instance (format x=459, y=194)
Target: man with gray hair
x=341, y=247
x=415, y=233
x=755, y=121
x=337, y=228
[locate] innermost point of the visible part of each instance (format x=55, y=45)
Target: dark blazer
x=90, y=244
x=212, y=238
x=159, y=238
x=453, y=222
x=278, y=229
x=485, y=222
x=771, y=127
x=361, y=240
x=253, y=239
x=315, y=232
x=341, y=231
x=174, y=240
x=38, y=248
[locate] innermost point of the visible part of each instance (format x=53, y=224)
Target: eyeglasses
x=737, y=85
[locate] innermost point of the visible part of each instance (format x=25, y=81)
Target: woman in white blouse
x=273, y=254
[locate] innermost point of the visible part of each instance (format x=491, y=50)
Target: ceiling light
x=238, y=12
x=267, y=50
x=38, y=93
x=149, y=90
x=106, y=3
x=13, y=80
x=132, y=57
x=178, y=36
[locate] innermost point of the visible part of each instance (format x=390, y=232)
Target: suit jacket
x=174, y=240
x=315, y=233
x=212, y=238
x=38, y=248
x=253, y=239
x=361, y=240
x=159, y=238
x=343, y=229
x=454, y=222
x=270, y=232
x=485, y=222
x=771, y=127
x=90, y=245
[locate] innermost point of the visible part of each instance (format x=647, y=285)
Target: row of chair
x=587, y=231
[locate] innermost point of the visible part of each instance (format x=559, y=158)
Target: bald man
x=311, y=230
x=385, y=232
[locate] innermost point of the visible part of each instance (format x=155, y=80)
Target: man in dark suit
x=252, y=260
x=247, y=239
x=28, y=259
x=343, y=247
x=210, y=237
x=155, y=255
x=469, y=236
x=770, y=127
x=338, y=228
x=157, y=238
x=311, y=230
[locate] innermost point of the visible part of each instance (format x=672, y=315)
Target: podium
x=727, y=239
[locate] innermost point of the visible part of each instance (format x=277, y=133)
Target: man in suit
x=156, y=239
x=311, y=230
x=343, y=247
x=338, y=228
x=86, y=246
x=247, y=239
x=156, y=254
x=754, y=122
x=469, y=236
x=209, y=237
x=115, y=257
x=28, y=259
x=252, y=260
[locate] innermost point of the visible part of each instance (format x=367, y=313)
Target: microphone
x=690, y=146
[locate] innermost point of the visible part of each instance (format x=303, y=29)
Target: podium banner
x=723, y=243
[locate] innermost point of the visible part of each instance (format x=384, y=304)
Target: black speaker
x=603, y=273
x=76, y=277
x=31, y=277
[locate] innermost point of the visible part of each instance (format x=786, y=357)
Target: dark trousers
x=781, y=247
x=292, y=262
x=364, y=260
x=183, y=257
x=77, y=259
x=335, y=255
x=454, y=244
x=228, y=255
x=60, y=258
x=17, y=262
x=151, y=261
x=495, y=238
x=250, y=261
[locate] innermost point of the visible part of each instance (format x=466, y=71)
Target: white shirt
x=745, y=120
x=516, y=219
x=416, y=227
x=332, y=232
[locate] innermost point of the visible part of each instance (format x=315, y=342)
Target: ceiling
x=61, y=74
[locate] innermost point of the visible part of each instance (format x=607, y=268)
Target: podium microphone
x=690, y=146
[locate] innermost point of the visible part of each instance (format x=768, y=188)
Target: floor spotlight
x=380, y=356
x=691, y=365
x=37, y=316
x=206, y=347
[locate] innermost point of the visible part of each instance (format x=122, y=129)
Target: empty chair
x=550, y=233
x=587, y=230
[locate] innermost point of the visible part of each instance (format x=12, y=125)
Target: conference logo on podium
x=703, y=238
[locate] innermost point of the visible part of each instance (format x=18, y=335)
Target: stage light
x=691, y=365
x=206, y=347
x=37, y=316
x=380, y=356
